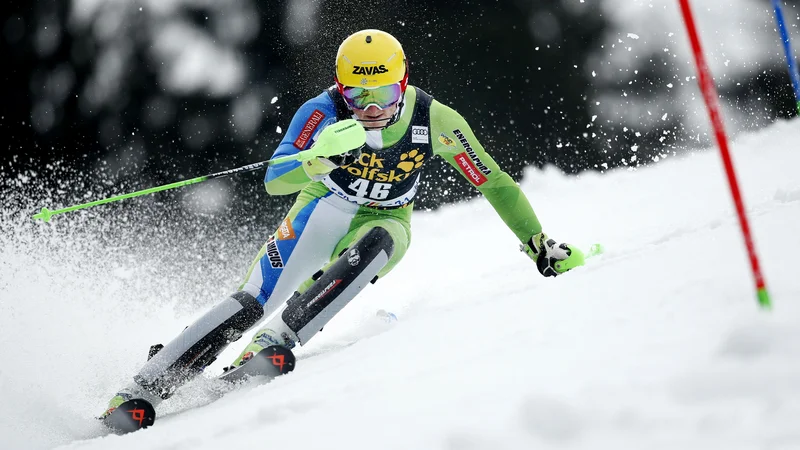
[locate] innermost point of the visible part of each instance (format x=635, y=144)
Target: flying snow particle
x=669, y=85
x=664, y=117
x=278, y=130
x=274, y=99
x=633, y=36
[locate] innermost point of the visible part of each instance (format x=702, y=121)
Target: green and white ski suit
x=377, y=190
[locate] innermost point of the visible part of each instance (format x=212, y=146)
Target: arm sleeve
x=453, y=140
x=308, y=121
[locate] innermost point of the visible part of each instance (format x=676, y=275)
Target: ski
x=130, y=416
x=136, y=413
x=269, y=363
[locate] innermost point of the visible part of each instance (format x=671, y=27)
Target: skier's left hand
x=552, y=258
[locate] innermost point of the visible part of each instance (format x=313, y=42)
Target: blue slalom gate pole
x=787, y=47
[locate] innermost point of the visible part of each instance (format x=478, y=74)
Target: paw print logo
x=411, y=160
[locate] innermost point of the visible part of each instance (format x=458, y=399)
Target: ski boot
x=263, y=339
x=268, y=354
x=129, y=411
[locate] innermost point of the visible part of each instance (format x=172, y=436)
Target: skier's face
x=375, y=117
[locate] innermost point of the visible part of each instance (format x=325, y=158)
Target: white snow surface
x=657, y=344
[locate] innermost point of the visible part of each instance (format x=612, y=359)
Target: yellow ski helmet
x=370, y=59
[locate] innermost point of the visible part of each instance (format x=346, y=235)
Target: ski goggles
x=382, y=96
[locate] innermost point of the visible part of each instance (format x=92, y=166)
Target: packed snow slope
x=657, y=344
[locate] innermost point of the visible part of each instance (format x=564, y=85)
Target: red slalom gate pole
x=706, y=82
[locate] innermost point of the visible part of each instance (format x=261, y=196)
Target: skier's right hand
x=339, y=144
x=319, y=167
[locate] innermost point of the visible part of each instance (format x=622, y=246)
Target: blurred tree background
x=135, y=93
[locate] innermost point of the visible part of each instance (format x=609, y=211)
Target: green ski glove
x=319, y=167
x=551, y=258
x=338, y=145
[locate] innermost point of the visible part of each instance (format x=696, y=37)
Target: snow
x=646, y=47
x=739, y=30
x=657, y=344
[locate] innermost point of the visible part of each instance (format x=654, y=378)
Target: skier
x=350, y=223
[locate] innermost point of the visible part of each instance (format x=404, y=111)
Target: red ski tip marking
x=277, y=360
x=137, y=415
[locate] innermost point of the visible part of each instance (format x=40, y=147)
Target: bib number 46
x=379, y=191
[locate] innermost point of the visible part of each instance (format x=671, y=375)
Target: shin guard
x=199, y=344
x=307, y=313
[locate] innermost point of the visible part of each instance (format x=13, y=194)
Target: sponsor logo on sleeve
x=285, y=230
x=468, y=167
x=274, y=254
x=474, y=157
x=419, y=135
x=446, y=140
x=308, y=129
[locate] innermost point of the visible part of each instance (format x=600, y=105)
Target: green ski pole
x=346, y=134
x=46, y=214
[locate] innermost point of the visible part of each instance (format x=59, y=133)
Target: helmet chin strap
x=390, y=121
